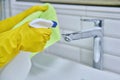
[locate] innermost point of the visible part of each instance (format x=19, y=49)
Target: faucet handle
x=97, y=22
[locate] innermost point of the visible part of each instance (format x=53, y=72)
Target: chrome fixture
x=95, y=32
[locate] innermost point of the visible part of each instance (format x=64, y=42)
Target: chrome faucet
x=97, y=34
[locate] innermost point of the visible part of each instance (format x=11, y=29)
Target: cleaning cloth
x=49, y=14
x=12, y=41
x=26, y=38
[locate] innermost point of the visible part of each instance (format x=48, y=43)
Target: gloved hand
x=23, y=38
x=8, y=23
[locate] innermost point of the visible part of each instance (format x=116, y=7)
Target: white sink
x=49, y=67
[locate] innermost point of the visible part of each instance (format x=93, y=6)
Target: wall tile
x=69, y=22
x=112, y=46
x=112, y=28
x=105, y=15
x=65, y=51
x=87, y=24
x=111, y=63
x=86, y=57
x=103, y=9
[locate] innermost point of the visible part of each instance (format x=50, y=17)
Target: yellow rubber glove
x=23, y=38
x=8, y=23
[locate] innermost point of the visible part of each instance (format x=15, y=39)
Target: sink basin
x=49, y=67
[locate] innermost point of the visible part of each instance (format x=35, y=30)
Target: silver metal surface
x=97, y=34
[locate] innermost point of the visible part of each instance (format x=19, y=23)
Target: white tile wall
x=65, y=51
x=112, y=28
x=107, y=15
x=8, y=8
x=111, y=63
x=103, y=12
x=86, y=57
x=112, y=46
x=81, y=50
x=69, y=22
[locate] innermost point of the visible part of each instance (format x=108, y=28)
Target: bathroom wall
x=81, y=50
x=5, y=9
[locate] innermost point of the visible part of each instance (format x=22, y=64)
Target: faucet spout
x=96, y=31
x=97, y=34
